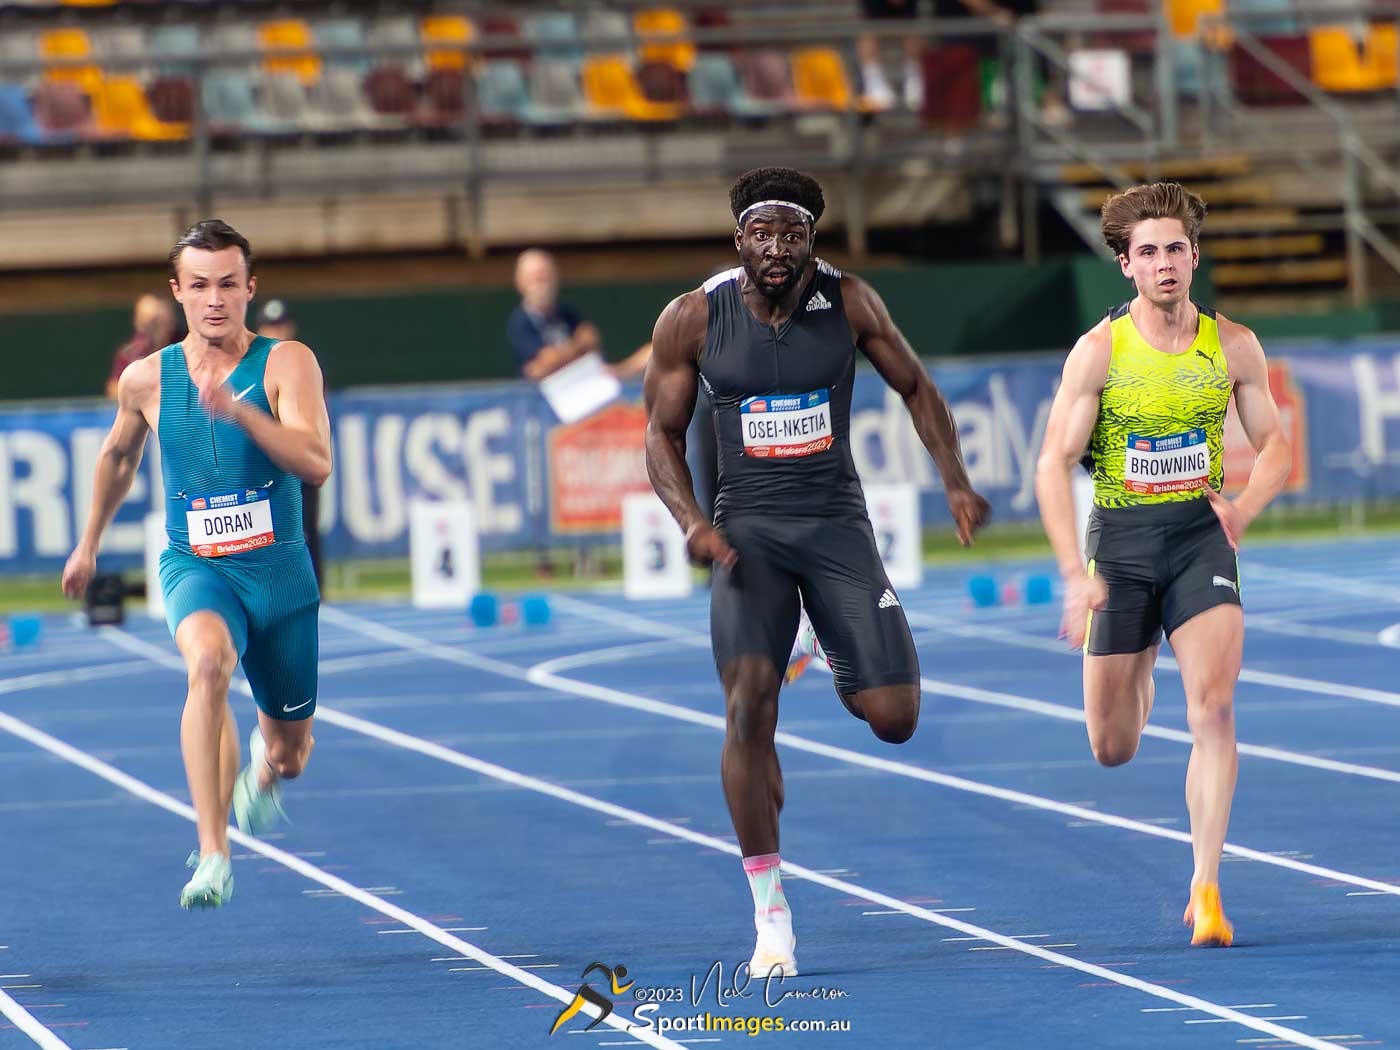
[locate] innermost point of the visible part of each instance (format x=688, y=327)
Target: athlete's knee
x=288, y=758
x=1113, y=747
x=211, y=664
x=1210, y=710
x=892, y=711
x=751, y=704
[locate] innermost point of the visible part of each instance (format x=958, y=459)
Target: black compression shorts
x=834, y=567
x=1163, y=564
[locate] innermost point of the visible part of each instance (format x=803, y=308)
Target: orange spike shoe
x=1211, y=930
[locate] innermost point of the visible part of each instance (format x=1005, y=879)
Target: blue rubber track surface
x=488, y=811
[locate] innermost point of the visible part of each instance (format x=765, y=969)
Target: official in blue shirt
x=544, y=334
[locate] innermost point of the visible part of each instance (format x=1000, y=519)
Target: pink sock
x=765, y=882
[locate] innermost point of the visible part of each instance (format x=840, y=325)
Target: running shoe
x=1211, y=930
x=256, y=811
x=211, y=884
x=773, y=950
x=804, y=649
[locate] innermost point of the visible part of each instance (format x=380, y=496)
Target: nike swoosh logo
x=289, y=710
x=244, y=392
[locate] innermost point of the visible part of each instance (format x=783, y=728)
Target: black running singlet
x=782, y=402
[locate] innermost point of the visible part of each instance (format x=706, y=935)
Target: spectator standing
x=153, y=327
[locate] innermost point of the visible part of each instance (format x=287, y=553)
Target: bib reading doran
x=786, y=425
x=1175, y=463
x=229, y=523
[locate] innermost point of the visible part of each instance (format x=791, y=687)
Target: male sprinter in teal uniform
x=241, y=422
x=775, y=342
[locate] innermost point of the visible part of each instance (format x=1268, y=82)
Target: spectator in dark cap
x=276, y=322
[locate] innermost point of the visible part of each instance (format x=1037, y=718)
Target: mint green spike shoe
x=211, y=885
x=256, y=811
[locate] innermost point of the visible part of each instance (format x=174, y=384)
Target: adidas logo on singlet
x=888, y=600
x=818, y=302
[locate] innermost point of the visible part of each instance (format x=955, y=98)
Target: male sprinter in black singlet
x=774, y=341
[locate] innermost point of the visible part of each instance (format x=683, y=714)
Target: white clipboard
x=580, y=388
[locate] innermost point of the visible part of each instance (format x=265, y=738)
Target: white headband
x=778, y=204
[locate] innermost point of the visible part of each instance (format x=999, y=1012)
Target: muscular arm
x=1072, y=417
x=1259, y=415
x=672, y=379
x=116, y=469
x=297, y=436
x=880, y=340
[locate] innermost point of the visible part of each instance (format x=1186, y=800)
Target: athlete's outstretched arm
x=1073, y=414
x=116, y=469
x=297, y=436
x=672, y=379
x=1259, y=415
x=880, y=340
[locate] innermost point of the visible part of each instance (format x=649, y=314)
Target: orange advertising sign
x=593, y=464
x=1239, y=453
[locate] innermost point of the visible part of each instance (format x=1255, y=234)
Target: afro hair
x=776, y=184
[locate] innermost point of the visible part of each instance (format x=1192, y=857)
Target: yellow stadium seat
x=1339, y=65
x=662, y=30
x=1383, y=51
x=1185, y=15
x=447, y=29
x=819, y=78
x=610, y=88
x=120, y=109
x=70, y=43
x=291, y=38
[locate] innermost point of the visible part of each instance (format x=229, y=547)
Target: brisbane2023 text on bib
x=230, y=523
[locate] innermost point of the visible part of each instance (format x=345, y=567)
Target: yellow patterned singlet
x=1160, y=433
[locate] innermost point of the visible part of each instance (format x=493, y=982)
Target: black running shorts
x=1163, y=564
x=834, y=567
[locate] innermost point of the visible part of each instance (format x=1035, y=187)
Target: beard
x=770, y=290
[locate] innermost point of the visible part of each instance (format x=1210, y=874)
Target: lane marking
x=29, y=1024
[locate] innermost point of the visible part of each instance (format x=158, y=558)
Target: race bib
x=787, y=425
x=229, y=524
x=1176, y=463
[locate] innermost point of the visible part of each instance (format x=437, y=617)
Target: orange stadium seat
x=819, y=78
x=70, y=44
x=611, y=89
x=662, y=32
x=447, y=29
x=1185, y=15
x=292, y=46
x=1339, y=65
x=121, y=110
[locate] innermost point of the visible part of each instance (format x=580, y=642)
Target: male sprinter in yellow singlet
x=1144, y=393
x=241, y=421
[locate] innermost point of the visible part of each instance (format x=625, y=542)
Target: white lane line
x=445, y=929
x=797, y=743
x=1180, y=1009
x=310, y=871
x=14, y=976
x=1013, y=936
x=30, y=1025
x=527, y=966
x=43, y=679
x=603, y=656
x=490, y=769
x=522, y=975
x=1220, y=1020
x=1065, y=712
x=1293, y=683
x=1005, y=948
x=1320, y=581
